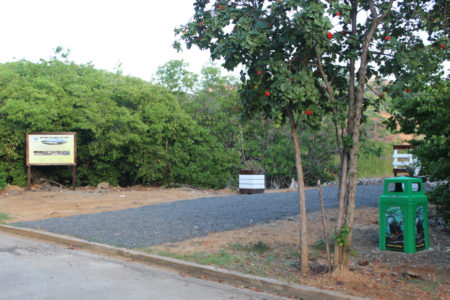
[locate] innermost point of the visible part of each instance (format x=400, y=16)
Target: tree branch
x=377, y=19
x=329, y=90
x=373, y=90
x=332, y=78
x=382, y=53
x=373, y=10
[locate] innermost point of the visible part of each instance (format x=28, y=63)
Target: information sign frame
x=51, y=149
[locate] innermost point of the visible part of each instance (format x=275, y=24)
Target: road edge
x=266, y=285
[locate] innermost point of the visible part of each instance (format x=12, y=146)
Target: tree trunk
x=345, y=157
x=324, y=222
x=355, y=130
x=337, y=263
x=353, y=160
x=301, y=195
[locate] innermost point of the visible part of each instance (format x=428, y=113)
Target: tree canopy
x=304, y=59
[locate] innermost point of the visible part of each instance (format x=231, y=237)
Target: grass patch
x=258, y=247
x=255, y=258
x=251, y=259
x=426, y=284
x=320, y=246
x=374, y=167
x=292, y=253
x=4, y=217
x=222, y=258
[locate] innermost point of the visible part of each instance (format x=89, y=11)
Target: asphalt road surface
x=176, y=221
x=34, y=270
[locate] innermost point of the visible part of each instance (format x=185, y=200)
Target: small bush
x=259, y=247
x=441, y=197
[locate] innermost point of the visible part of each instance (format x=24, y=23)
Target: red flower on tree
x=259, y=72
x=408, y=90
x=338, y=14
x=220, y=7
x=388, y=38
x=329, y=35
x=442, y=46
x=308, y=112
x=267, y=93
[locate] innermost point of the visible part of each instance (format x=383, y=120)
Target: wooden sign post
x=51, y=149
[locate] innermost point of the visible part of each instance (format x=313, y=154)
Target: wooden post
x=74, y=177
x=29, y=178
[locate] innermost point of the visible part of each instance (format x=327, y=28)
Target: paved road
x=33, y=270
x=176, y=221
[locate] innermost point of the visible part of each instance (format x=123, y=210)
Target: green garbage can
x=403, y=215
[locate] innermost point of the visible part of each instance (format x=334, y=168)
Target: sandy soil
x=47, y=201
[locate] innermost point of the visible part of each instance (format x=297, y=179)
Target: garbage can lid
x=402, y=185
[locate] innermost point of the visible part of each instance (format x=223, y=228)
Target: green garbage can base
x=403, y=215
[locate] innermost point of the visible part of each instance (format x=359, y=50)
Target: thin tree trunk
x=342, y=195
x=343, y=151
x=324, y=221
x=341, y=207
x=353, y=163
x=242, y=143
x=301, y=195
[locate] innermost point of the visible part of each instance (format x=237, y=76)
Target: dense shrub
x=128, y=131
x=132, y=132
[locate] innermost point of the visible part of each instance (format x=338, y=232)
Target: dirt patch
x=46, y=201
x=270, y=250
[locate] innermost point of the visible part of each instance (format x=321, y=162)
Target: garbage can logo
x=419, y=229
x=394, y=229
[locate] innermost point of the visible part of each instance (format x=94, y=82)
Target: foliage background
x=177, y=130
x=128, y=131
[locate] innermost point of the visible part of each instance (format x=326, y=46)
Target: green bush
x=128, y=130
x=371, y=149
x=441, y=197
x=216, y=106
x=318, y=151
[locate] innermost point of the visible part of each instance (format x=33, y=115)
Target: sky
x=138, y=34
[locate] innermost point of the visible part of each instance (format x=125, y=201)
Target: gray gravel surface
x=176, y=221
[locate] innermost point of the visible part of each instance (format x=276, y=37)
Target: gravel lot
x=176, y=221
